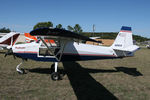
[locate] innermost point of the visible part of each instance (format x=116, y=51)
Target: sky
x=106, y=15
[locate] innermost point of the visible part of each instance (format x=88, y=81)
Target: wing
x=55, y=33
x=60, y=37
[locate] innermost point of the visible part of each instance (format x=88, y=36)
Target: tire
x=55, y=76
x=22, y=71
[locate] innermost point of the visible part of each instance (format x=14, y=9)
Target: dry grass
x=106, y=42
x=119, y=79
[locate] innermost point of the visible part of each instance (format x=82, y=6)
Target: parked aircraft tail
x=9, y=39
x=123, y=44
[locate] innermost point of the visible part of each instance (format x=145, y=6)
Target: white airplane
x=68, y=48
x=8, y=40
x=148, y=46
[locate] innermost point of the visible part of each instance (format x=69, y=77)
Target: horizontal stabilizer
x=132, y=48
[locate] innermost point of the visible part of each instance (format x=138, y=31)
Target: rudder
x=124, y=38
x=123, y=44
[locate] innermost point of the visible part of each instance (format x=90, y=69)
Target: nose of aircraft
x=9, y=51
x=9, y=47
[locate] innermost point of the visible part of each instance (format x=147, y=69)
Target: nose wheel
x=20, y=70
x=55, y=75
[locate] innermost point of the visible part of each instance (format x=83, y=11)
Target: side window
x=44, y=52
x=53, y=45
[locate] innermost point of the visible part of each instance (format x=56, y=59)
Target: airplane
x=8, y=40
x=69, y=48
x=148, y=46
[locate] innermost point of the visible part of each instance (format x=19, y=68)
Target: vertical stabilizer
x=123, y=44
x=124, y=38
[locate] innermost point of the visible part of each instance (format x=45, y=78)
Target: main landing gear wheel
x=55, y=76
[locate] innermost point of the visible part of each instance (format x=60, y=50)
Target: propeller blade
x=10, y=52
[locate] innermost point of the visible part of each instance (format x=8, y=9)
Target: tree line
x=113, y=35
x=78, y=29
x=5, y=30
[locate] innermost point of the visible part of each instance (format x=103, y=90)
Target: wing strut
x=59, y=54
x=61, y=51
x=49, y=49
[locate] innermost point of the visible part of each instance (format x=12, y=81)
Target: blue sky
x=107, y=15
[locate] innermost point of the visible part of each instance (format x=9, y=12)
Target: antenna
x=93, y=29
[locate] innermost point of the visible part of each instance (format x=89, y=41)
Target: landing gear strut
x=55, y=75
x=20, y=70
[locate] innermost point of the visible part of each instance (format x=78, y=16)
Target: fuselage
x=73, y=51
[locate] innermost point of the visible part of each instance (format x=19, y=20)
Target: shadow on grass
x=84, y=85
x=126, y=70
x=44, y=71
x=129, y=71
x=40, y=70
x=1, y=52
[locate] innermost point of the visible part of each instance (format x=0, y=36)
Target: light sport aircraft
x=8, y=40
x=68, y=48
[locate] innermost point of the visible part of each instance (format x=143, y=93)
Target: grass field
x=119, y=79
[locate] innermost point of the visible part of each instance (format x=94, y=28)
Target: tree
x=59, y=26
x=77, y=28
x=70, y=28
x=5, y=30
x=43, y=24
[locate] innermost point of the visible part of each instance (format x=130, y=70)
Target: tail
x=9, y=39
x=123, y=44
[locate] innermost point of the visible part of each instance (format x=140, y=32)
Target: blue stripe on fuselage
x=84, y=57
x=34, y=56
x=65, y=57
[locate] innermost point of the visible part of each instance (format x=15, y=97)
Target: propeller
x=10, y=52
x=9, y=49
